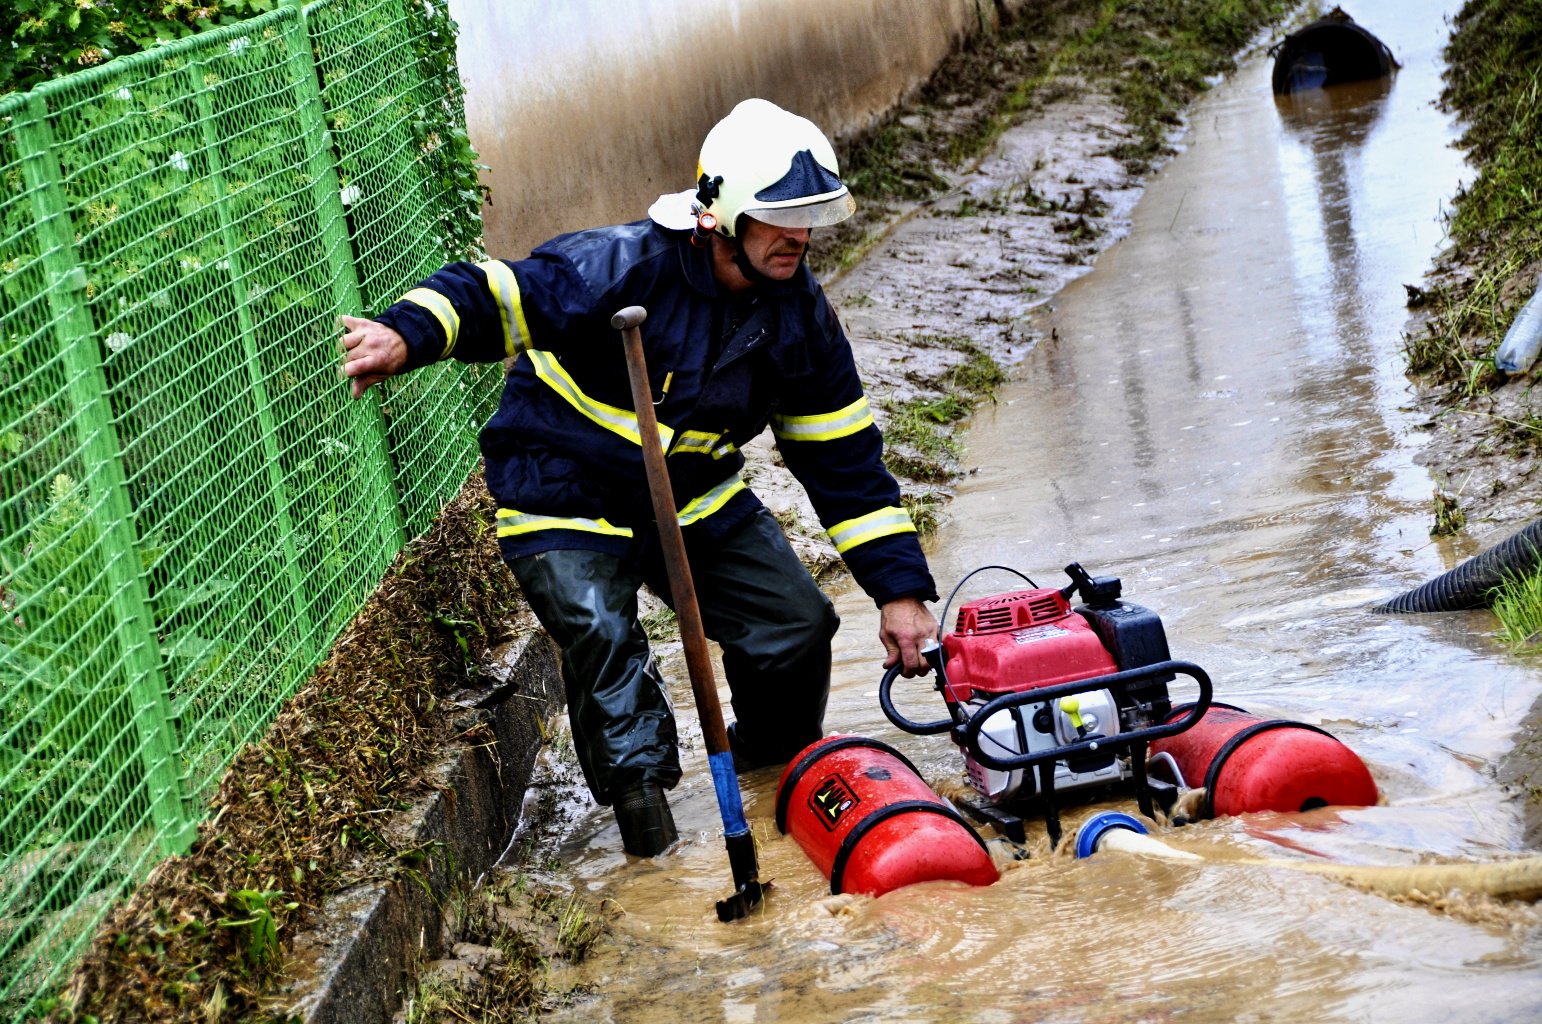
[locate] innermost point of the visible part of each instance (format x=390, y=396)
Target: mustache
x=786, y=247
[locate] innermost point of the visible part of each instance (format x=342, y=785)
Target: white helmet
x=762, y=161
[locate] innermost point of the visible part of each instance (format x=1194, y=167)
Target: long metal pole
x=698, y=662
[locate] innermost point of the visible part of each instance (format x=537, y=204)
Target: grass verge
x=297, y=816
x=1494, y=83
x=1518, y=606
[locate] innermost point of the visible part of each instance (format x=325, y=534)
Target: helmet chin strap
x=742, y=261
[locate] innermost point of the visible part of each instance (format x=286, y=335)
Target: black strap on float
x=1183, y=709
x=808, y=760
x=867, y=824
x=1213, y=773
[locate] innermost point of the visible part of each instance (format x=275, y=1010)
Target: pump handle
x=886, y=701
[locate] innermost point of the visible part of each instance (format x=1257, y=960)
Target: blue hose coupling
x=1096, y=827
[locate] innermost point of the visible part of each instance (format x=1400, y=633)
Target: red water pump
x=1044, y=697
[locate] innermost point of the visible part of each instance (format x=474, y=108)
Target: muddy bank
x=1018, y=163
x=515, y=940
x=1485, y=429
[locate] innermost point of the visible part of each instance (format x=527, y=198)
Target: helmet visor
x=812, y=215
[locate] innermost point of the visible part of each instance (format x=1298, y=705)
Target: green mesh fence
x=191, y=506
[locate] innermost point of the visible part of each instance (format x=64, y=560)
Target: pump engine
x=1043, y=696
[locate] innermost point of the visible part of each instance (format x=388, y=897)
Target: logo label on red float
x=1033, y=634
x=830, y=801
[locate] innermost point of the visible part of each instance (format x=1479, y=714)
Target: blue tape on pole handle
x=726, y=781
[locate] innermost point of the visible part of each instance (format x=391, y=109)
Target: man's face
x=775, y=252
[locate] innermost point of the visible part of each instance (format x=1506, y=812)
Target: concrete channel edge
x=355, y=963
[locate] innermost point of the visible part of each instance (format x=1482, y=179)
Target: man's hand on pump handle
x=902, y=627
x=372, y=352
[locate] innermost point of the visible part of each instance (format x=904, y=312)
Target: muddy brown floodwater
x=1220, y=425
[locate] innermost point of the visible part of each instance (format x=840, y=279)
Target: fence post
x=102, y=455
x=326, y=193
x=259, y=386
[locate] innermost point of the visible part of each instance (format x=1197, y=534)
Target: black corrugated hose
x=1470, y=584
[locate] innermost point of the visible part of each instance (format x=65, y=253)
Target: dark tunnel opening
x=1328, y=52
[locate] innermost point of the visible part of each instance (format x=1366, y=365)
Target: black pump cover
x=1135, y=637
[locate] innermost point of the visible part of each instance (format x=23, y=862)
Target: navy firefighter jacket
x=562, y=453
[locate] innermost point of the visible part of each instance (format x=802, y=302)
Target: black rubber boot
x=647, y=827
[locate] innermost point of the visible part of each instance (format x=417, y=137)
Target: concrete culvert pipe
x=1470, y=584
x=1327, y=52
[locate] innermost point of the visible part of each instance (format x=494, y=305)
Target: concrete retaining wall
x=586, y=110
x=354, y=964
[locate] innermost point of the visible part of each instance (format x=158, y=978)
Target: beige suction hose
x=1519, y=879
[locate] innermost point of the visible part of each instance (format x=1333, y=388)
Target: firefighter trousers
x=757, y=601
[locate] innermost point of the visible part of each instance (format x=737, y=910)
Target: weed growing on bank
x=1518, y=606
x=660, y=625
x=918, y=434
x=925, y=510
x=1494, y=83
x=515, y=934
x=1449, y=517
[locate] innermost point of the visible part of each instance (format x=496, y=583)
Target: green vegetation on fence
x=43, y=39
x=191, y=507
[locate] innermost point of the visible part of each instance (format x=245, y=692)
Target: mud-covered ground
x=1485, y=445
x=295, y=818
x=515, y=938
x=959, y=278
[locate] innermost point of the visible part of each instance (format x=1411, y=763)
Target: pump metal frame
x=966, y=733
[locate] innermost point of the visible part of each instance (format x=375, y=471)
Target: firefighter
x=739, y=336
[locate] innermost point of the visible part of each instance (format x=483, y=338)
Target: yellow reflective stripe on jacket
x=700, y=508
x=505, y=288
x=883, y=523
x=442, y=310
x=694, y=441
x=825, y=426
x=621, y=421
x=512, y=524
x=725, y=449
